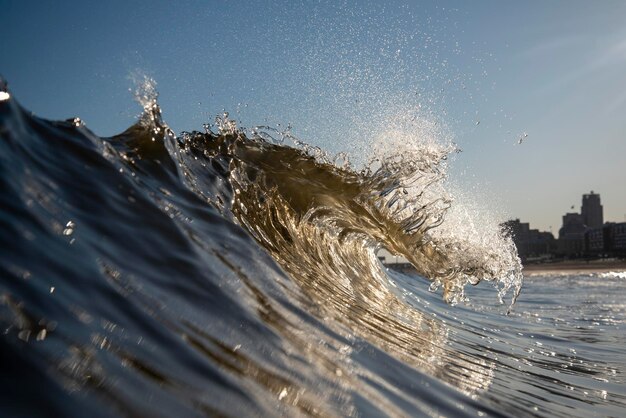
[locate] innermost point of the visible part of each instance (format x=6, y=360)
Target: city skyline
x=532, y=93
x=554, y=229
x=582, y=235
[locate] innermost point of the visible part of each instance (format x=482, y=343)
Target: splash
x=398, y=201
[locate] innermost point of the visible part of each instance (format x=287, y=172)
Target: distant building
x=609, y=240
x=543, y=243
x=572, y=235
x=529, y=242
x=582, y=235
x=518, y=231
x=591, y=210
x=617, y=238
x=598, y=240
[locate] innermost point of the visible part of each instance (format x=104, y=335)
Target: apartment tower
x=591, y=210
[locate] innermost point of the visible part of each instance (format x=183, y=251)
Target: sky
x=345, y=75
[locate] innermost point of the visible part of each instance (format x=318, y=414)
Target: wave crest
x=301, y=206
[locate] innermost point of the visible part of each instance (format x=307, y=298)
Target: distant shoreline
x=565, y=267
x=579, y=266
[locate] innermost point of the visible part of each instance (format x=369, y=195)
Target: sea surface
x=234, y=272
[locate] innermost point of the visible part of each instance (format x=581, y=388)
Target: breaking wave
x=232, y=272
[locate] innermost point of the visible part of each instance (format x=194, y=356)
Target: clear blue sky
x=338, y=72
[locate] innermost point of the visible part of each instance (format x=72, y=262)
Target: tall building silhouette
x=572, y=234
x=591, y=210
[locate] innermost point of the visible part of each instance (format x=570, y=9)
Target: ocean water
x=235, y=273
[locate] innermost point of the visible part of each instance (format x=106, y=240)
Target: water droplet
x=4, y=96
x=69, y=228
x=41, y=335
x=434, y=286
x=282, y=394
x=24, y=335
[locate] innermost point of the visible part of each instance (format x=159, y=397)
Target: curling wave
x=225, y=274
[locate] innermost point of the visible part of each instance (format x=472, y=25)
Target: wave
x=227, y=273
x=302, y=207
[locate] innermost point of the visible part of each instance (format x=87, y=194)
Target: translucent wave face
x=398, y=201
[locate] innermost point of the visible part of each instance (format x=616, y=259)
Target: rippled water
x=561, y=352
x=233, y=274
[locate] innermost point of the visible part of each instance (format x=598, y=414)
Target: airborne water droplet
x=4, y=96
